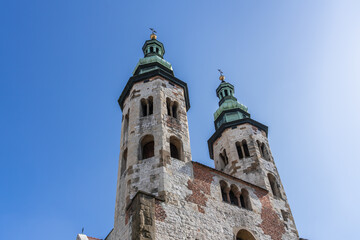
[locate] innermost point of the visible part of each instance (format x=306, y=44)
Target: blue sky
x=63, y=64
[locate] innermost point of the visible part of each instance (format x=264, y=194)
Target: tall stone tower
x=162, y=194
x=154, y=132
x=241, y=149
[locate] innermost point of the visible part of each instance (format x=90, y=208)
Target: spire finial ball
x=153, y=36
x=222, y=78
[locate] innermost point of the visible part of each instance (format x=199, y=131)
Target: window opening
x=246, y=149
x=233, y=198
x=147, y=147
x=239, y=151
x=124, y=162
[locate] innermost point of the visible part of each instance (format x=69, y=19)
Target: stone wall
x=193, y=207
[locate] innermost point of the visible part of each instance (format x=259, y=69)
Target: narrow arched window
x=226, y=92
x=260, y=150
x=244, y=235
x=151, y=49
x=274, y=186
x=225, y=158
x=147, y=147
x=151, y=107
x=224, y=187
x=174, y=151
x=245, y=199
x=168, y=102
x=126, y=127
x=233, y=198
x=175, y=148
x=143, y=108
x=175, y=110
x=246, y=149
x=265, y=153
x=123, y=162
x=222, y=161
x=157, y=50
x=239, y=150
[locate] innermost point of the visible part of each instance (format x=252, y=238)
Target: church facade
x=163, y=194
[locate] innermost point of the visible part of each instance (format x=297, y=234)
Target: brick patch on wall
x=200, y=186
x=160, y=213
x=271, y=223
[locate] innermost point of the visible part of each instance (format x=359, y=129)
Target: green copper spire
x=229, y=108
x=153, y=56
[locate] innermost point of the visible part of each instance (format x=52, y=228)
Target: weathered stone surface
x=165, y=198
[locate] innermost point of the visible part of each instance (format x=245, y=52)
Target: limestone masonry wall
x=166, y=196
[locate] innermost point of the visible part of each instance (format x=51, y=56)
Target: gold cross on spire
x=153, y=33
x=222, y=77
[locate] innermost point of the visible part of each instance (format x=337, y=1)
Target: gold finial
x=222, y=77
x=153, y=35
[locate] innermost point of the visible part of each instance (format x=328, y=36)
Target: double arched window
x=146, y=107
x=147, y=147
x=172, y=108
x=242, y=149
x=235, y=196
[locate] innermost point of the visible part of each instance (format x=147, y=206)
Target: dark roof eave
x=158, y=72
x=227, y=125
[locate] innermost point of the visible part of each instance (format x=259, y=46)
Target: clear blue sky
x=63, y=64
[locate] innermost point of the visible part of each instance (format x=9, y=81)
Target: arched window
x=168, y=102
x=175, y=109
x=239, y=150
x=245, y=199
x=146, y=106
x=143, y=108
x=147, y=147
x=151, y=107
x=244, y=235
x=223, y=159
x=274, y=186
x=265, y=153
x=233, y=194
x=175, y=148
x=246, y=149
x=172, y=108
x=224, y=191
x=151, y=49
x=226, y=92
x=123, y=162
x=260, y=150
x=233, y=198
x=157, y=50
x=126, y=127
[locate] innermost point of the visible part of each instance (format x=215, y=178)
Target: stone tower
x=241, y=149
x=154, y=132
x=163, y=195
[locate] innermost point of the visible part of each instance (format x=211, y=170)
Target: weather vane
x=153, y=34
x=152, y=31
x=222, y=77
